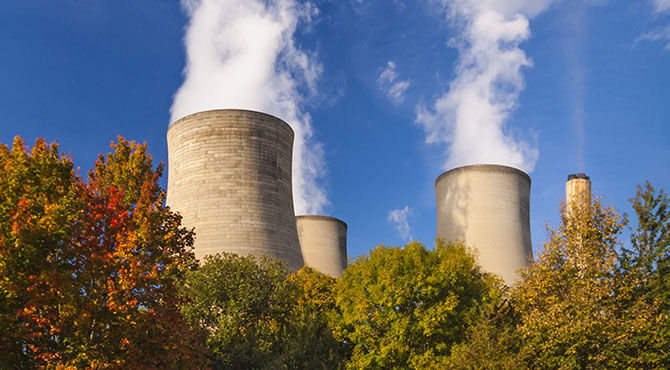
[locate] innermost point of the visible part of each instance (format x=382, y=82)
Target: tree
x=647, y=265
x=492, y=341
x=242, y=305
x=89, y=270
x=259, y=316
x=406, y=307
x=311, y=343
x=577, y=308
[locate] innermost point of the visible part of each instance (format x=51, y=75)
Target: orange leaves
x=80, y=262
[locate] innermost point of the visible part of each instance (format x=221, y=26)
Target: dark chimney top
x=580, y=175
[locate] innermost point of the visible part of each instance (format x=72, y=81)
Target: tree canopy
x=406, y=307
x=259, y=316
x=89, y=269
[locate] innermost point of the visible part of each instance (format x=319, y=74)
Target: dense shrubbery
x=99, y=273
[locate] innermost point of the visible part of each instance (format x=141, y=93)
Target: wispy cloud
x=470, y=118
x=662, y=5
x=389, y=83
x=243, y=55
x=399, y=219
x=662, y=35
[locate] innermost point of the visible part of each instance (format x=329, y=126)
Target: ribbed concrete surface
x=229, y=176
x=323, y=240
x=487, y=206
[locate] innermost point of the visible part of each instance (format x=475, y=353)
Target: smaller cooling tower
x=229, y=176
x=577, y=191
x=487, y=207
x=323, y=241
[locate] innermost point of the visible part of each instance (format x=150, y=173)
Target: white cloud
x=399, y=219
x=389, y=83
x=470, y=118
x=242, y=54
x=662, y=35
x=662, y=5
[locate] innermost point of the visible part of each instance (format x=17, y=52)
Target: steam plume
x=242, y=55
x=470, y=118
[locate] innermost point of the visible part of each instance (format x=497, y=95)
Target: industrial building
x=229, y=176
x=488, y=207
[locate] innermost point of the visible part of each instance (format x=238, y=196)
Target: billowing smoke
x=242, y=55
x=470, y=118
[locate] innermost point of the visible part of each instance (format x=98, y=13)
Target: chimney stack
x=577, y=192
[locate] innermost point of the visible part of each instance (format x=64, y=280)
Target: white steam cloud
x=389, y=83
x=242, y=55
x=399, y=219
x=470, y=118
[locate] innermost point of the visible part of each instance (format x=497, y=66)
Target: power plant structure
x=487, y=207
x=229, y=176
x=323, y=240
x=577, y=192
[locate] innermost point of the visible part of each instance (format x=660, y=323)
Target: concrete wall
x=577, y=191
x=323, y=241
x=229, y=176
x=487, y=206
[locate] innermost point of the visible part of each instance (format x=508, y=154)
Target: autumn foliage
x=99, y=273
x=88, y=269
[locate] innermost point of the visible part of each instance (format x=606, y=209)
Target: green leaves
x=406, y=307
x=580, y=303
x=257, y=316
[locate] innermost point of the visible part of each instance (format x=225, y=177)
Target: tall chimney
x=577, y=192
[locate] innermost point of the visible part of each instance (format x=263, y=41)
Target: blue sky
x=587, y=89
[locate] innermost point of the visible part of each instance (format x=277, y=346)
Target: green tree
x=259, y=316
x=646, y=265
x=577, y=309
x=89, y=270
x=311, y=343
x=406, y=307
x=493, y=341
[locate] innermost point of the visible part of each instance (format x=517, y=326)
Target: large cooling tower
x=323, y=241
x=487, y=206
x=229, y=176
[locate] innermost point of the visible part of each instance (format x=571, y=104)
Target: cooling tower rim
x=230, y=110
x=321, y=217
x=483, y=168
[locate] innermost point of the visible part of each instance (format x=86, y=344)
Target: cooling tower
x=229, y=176
x=487, y=207
x=577, y=191
x=323, y=241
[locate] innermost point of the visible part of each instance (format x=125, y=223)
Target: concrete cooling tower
x=229, y=176
x=323, y=241
x=487, y=207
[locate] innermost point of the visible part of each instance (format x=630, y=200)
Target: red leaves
x=82, y=261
